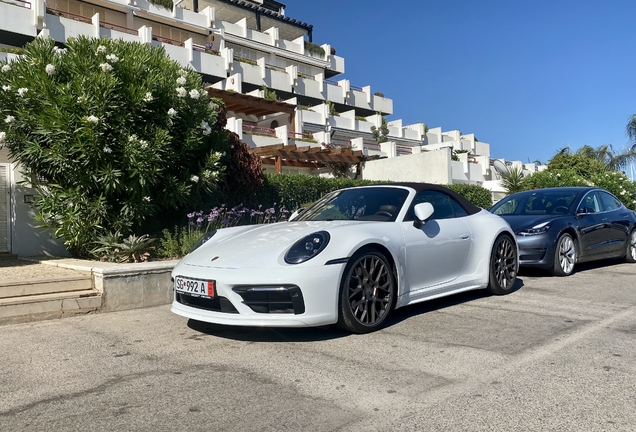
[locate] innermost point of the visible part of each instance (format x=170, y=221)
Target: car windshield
x=362, y=204
x=539, y=202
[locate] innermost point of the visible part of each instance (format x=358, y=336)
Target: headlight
x=542, y=228
x=307, y=248
x=204, y=239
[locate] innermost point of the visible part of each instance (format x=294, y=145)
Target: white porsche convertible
x=350, y=258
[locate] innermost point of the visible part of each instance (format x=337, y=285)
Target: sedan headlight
x=204, y=239
x=542, y=228
x=307, y=248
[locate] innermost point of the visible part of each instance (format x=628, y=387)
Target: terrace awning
x=251, y=105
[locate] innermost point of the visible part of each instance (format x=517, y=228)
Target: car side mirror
x=423, y=213
x=295, y=214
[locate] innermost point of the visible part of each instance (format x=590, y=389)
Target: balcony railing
x=69, y=15
x=301, y=136
x=118, y=28
x=371, y=146
x=276, y=68
x=167, y=40
x=336, y=142
x=205, y=49
x=20, y=3
x=258, y=130
x=305, y=76
x=331, y=82
x=403, y=150
x=352, y=87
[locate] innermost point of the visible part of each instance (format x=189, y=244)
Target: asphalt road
x=559, y=354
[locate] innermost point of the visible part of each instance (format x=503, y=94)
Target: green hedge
x=292, y=191
x=476, y=194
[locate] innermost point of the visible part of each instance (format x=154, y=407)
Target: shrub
x=618, y=184
x=117, y=131
x=582, y=165
x=476, y=194
x=244, y=174
x=554, y=178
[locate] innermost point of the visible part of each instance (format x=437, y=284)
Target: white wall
x=428, y=167
x=27, y=239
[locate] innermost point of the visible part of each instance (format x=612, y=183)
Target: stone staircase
x=27, y=297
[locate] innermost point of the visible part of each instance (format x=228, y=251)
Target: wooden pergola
x=252, y=105
x=291, y=155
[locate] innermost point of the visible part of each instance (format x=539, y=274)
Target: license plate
x=195, y=287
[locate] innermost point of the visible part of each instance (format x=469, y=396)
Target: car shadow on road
x=322, y=333
x=579, y=268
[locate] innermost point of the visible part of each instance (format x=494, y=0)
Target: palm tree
x=514, y=181
x=606, y=154
x=631, y=128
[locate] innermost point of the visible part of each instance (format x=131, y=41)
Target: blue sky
x=528, y=77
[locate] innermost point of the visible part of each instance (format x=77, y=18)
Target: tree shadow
x=578, y=268
x=329, y=332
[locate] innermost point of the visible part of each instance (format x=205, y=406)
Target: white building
x=249, y=52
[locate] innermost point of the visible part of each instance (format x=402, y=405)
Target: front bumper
x=318, y=286
x=536, y=251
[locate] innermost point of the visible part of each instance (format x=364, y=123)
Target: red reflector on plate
x=211, y=288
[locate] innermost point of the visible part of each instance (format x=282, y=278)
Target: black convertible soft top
x=466, y=205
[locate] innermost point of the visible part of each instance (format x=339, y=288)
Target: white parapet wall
x=428, y=167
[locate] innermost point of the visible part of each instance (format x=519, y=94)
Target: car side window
x=609, y=202
x=445, y=207
x=590, y=203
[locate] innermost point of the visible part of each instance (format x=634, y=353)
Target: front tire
x=630, y=252
x=564, y=256
x=367, y=292
x=504, y=262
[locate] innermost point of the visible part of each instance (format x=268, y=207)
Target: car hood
x=521, y=222
x=242, y=246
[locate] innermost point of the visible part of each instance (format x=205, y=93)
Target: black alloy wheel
x=504, y=263
x=367, y=292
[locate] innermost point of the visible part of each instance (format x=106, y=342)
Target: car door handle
x=464, y=236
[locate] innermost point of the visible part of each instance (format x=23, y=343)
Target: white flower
x=207, y=131
x=558, y=175
x=148, y=97
x=112, y=58
x=181, y=92
x=204, y=124
x=6, y=68
x=194, y=94
x=59, y=51
x=106, y=67
x=92, y=119
x=172, y=112
x=6, y=87
x=183, y=72
x=143, y=144
x=9, y=119
x=194, y=179
x=50, y=69
x=181, y=80
x=147, y=198
x=3, y=137
x=108, y=150
x=218, y=154
x=81, y=99
x=22, y=91
x=101, y=49
x=623, y=192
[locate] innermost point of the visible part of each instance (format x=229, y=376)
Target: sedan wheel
x=503, y=266
x=366, y=292
x=630, y=253
x=564, y=256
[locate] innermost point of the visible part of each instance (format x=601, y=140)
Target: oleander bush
x=476, y=194
x=112, y=134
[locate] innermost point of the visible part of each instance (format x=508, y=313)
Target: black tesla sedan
x=557, y=228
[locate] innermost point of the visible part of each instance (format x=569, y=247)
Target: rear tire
x=367, y=292
x=630, y=250
x=564, y=256
x=504, y=263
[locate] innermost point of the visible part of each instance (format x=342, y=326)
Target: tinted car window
x=445, y=206
x=539, y=202
x=370, y=203
x=590, y=203
x=609, y=202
